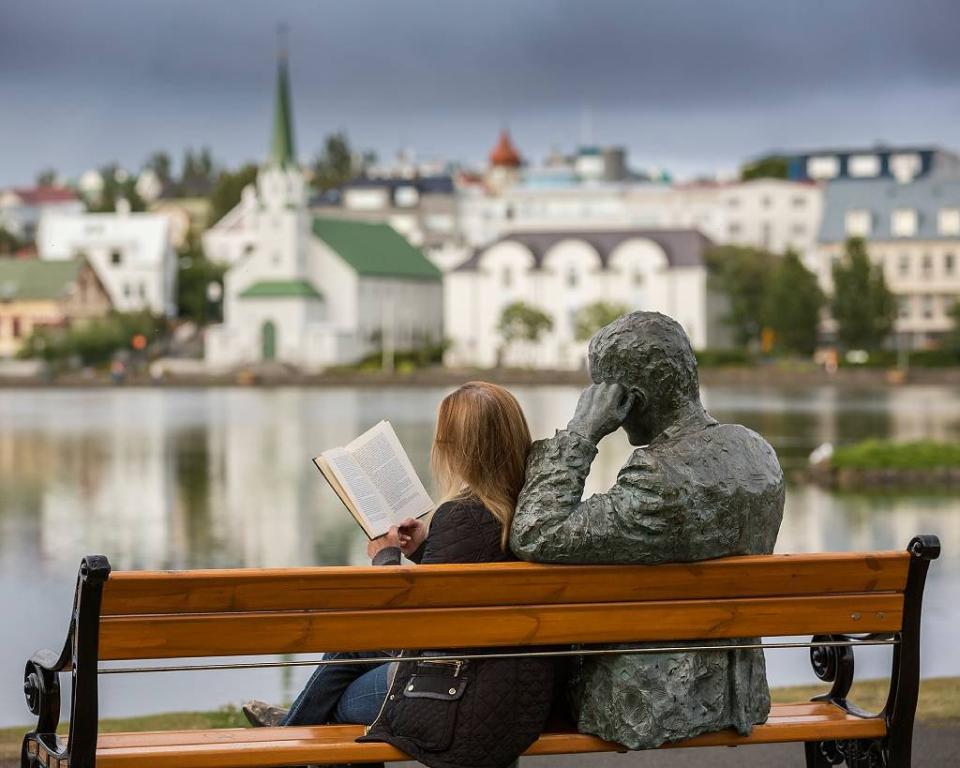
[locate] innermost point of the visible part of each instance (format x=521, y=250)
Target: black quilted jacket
x=476, y=713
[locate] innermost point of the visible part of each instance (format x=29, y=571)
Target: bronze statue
x=692, y=490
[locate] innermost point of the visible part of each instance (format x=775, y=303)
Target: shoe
x=263, y=715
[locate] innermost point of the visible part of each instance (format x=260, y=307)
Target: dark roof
x=882, y=197
x=425, y=185
x=683, y=247
x=375, y=250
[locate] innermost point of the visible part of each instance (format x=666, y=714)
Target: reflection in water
x=223, y=478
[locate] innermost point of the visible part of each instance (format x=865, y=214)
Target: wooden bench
x=841, y=599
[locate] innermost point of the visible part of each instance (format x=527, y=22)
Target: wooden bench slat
x=245, y=590
x=172, y=636
x=247, y=747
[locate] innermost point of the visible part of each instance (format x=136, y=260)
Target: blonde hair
x=480, y=449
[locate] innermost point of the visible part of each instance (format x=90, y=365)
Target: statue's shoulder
x=744, y=442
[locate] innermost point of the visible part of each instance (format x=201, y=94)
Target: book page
x=382, y=458
x=373, y=511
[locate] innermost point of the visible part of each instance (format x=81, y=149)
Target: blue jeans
x=342, y=693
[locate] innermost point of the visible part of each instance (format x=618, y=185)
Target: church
x=313, y=292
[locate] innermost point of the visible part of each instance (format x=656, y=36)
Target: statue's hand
x=601, y=410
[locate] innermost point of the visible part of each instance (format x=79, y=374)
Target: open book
x=375, y=480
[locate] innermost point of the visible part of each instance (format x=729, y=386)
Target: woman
x=478, y=459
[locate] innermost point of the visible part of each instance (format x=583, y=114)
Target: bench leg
x=862, y=753
x=815, y=758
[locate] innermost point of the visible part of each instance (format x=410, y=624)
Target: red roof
x=505, y=154
x=45, y=195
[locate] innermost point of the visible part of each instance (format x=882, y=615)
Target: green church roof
x=375, y=250
x=32, y=279
x=282, y=151
x=272, y=289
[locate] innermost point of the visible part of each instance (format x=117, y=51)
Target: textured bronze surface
x=693, y=490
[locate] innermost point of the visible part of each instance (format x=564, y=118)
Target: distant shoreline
x=756, y=376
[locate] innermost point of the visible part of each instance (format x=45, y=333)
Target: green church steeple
x=282, y=151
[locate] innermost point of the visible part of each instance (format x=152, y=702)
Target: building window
x=858, y=223
x=949, y=263
x=904, y=264
x=799, y=202
x=926, y=306
x=766, y=201
x=143, y=290
x=926, y=266
x=863, y=166
x=823, y=167
x=905, y=167
x=948, y=221
x=734, y=230
x=637, y=279
x=572, y=278
x=903, y=222
x=506, y=279
x=799, y=230
x=15, y=327
x=903, y=307
x=126, y=290
x=766, y=234
x=734, y=202
x=116, y=258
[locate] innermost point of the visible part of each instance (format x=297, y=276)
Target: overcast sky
x=687, y=85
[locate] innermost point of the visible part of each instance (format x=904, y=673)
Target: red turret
x=504, y=154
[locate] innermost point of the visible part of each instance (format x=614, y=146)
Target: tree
x=228, y=189
x=862, y=305
x=9, y=243
x=117, y=185
x=197, y=175
x=742, y=275
x=195, y=273
x=162, y=166
x=792, y=306
x=592, y=317
x=951, y=340
x=769, y=167
x=334, y=166
x=522, y=322
x=46, y=178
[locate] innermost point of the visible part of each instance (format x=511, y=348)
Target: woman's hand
x=390, y=539
x=412, y=535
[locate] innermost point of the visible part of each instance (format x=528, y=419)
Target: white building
x=773, y=214
x=131, y=253
x=21, y=208
x=560, y=272
x=913, y=231
x=313, y=292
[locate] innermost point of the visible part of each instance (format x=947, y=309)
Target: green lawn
x=939, y=702
x=881, y=454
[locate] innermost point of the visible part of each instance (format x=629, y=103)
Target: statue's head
x=649, y=354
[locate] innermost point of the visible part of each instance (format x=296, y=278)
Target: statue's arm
x=629, y=523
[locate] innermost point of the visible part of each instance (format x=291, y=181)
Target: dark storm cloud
x=676, y=78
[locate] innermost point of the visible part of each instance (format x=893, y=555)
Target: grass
x=939, y=703
x=881, y=454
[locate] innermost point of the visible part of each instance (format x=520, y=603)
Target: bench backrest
x=154, y=615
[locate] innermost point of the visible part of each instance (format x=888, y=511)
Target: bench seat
x=335, y=743
x=842, y=599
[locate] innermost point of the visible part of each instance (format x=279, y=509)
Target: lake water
x=179, y=478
